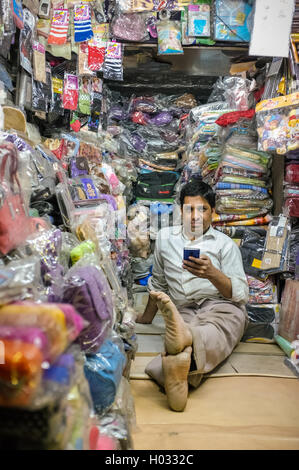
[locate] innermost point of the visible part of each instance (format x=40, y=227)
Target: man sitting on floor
x=202, y=300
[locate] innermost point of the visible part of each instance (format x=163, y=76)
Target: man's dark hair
x=196, y=187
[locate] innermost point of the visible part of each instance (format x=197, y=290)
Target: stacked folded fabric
x=242, y=187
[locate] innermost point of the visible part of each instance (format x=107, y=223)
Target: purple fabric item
x=75, y=171
x=110, y=199
x=75, y=323
x=116, y=112
x=29, y=335
x=145, y=106
x=88, y=291
x=162, y=119
x=138, y=143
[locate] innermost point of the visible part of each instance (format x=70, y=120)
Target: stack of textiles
x=242, y=187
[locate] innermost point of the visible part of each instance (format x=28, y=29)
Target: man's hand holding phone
x=200, y=266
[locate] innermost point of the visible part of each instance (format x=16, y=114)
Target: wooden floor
x=251, y=401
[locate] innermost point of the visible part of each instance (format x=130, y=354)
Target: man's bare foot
x=177, y=335
x=175, y=370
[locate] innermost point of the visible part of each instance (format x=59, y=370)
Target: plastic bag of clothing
x=263, y=313
x=236, y=91
x=59, y=322
x=130, y=27
x=103, y=371
x=252, y=249
x=88, y=290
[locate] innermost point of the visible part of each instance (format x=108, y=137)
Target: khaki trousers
x=217, y=327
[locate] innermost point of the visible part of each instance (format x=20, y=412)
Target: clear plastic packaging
x=232, y=20
x=138, y=231
x=235, y=91
x=113, y=63
x=20, y=374
x=169, y=37
x=97, y=47
x=70, y=92
x=60, y=326
x=130, y=27
x=26, y=37
x=261, y=292
x=277, y=124
x=20, y=280
x=263, y=313
x=42, y=92
x=86, y=287
x=103, y=371
x=47, y=245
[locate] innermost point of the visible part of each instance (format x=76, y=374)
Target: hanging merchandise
x=275, y=249
x=17, y=11
x=59, y=27
x=277, y=124
x=169, y=35
x=42, y=92
x=39, y=62
x=199, y=20
x=233, y=19
x=82, y=23
x=16, y=226
x=70, y=92
x=130, y=27
x=57, y=105
x=97, y=47
x=26, y=39
x=83, y=68
x=84, y=95
x=113, y=68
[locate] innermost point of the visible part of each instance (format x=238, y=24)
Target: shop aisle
x=249, y=402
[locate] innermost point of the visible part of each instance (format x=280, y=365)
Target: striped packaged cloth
x=82, y=23
x=249, y=222
x=59, y=27
x=221, y=185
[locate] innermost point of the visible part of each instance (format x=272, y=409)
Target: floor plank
x=223, y=413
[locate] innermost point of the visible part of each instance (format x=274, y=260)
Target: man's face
x=197, y=215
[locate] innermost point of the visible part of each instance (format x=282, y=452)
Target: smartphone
x=195, y=252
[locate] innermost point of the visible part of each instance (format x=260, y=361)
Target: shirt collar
x=210, y=233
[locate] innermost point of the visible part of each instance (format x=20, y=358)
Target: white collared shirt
x=182, y=286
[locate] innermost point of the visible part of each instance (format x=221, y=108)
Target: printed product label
x=82, y=12
x=60, y=18
x=89, y=187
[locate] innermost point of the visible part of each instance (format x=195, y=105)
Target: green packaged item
x=79, y=251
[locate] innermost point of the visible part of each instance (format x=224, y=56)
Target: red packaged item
x=97, y=47
x=233, y=117
x=291, y=206
x=292, y=173
x=70, y=92
x=59, y=27
x=140, y=118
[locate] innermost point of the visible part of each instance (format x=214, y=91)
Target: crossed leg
x=177, y=359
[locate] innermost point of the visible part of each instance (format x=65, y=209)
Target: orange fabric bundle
x=21, y=373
